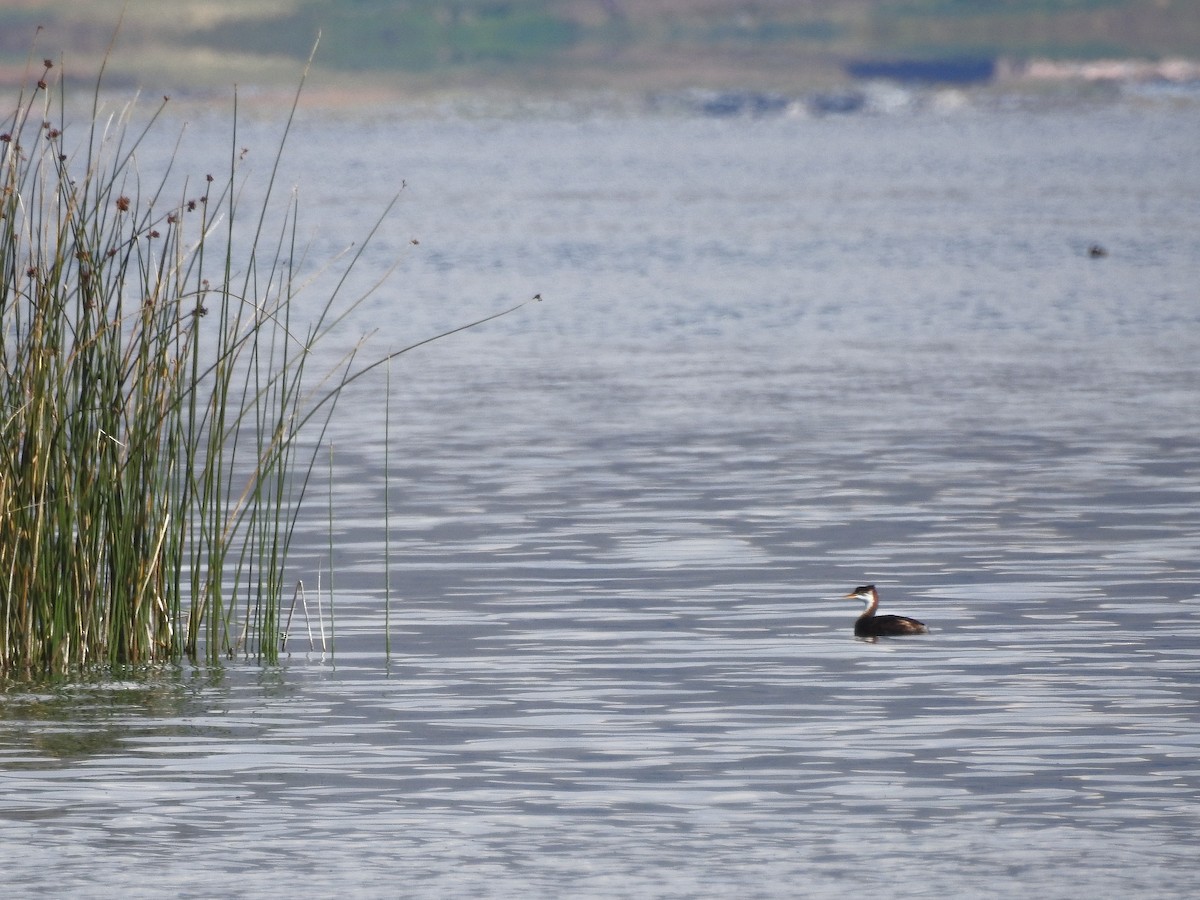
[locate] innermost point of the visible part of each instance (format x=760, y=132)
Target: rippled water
x=776, y=359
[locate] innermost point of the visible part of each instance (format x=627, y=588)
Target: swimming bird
x=871, y=625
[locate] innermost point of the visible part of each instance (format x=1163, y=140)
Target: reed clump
x=132, y=367
x=152, y=390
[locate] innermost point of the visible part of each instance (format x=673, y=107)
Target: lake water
x=775, y=359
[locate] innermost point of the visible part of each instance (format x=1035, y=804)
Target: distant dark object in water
x=958, y=70
x=871, y=625
x=841, y=102
x=741, y=103
x=1097, y=252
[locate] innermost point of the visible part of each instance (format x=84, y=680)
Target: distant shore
x=1176, y=70
x=713, y=90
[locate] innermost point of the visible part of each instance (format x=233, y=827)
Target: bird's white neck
x=870, y=602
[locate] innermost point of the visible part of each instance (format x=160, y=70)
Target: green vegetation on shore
x=414, y=44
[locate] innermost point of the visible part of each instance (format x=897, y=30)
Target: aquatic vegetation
x=153, y=388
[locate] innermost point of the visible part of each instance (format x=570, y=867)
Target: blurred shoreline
x=770, y=54
x=752, y=95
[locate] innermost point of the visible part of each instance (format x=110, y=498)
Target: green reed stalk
x=387, y=513
x=329, y=588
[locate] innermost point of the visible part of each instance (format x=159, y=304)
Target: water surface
x=775, y=359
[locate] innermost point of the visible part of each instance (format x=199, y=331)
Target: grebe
x=871, y=625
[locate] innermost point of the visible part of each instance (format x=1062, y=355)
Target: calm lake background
x=776, y=358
